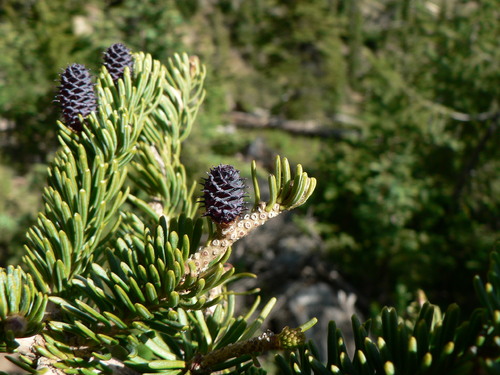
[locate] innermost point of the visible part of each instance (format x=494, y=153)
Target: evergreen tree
x=119, y=279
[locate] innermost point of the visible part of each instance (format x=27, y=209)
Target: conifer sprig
x=22, y=307
x=134, y=292
x=158, y=170
x=86, y=184
x=433, y=343
x=121, y=282
x=287, y=191
x=287, y=339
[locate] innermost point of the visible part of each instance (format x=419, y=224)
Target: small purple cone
x=116, y=58
x=76, y=95
x=223, y=194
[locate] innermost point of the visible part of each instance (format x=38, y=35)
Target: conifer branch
x=110, y=290
x=432, y=343
x=86, y=180
x=287, y=339
x=287, y=191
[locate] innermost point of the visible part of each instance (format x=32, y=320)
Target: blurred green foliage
x=409, y=187
x=414, y=199
x=19, y=204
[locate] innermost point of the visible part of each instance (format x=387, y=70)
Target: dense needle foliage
x=406, y=93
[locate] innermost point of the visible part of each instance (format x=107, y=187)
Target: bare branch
x=305, y=127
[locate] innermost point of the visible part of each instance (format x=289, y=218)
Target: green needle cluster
x=123, y=275
x=433, y=343
x=113, y=284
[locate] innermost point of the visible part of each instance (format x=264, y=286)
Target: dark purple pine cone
x=76, y=95
x=223, y=194
x=116, y=58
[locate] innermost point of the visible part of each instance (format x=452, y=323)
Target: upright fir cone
x=116, y=58
x=76, y=95
x=223, y=194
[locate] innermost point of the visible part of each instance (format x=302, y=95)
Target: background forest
x=392, y=105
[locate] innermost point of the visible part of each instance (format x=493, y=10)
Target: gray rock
x=289, y=265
